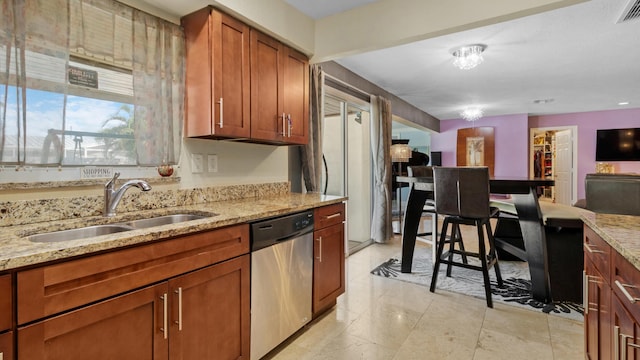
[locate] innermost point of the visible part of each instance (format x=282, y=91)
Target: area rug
x=515, y=276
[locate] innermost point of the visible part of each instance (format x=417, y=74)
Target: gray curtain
x=311, y=153
x=381, y=150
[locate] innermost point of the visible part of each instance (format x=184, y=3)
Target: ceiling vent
x=631, y=11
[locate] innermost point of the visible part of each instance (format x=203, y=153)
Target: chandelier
x=468, y=56
x=471, y=114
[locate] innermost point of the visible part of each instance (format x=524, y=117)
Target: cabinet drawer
x=625, y=281
x=329, y=215
x=5, y=302
x=6, y=346
x=51, y=289
x=598, y=251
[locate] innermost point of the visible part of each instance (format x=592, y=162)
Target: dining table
x=524, y=194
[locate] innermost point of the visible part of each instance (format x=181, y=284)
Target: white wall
x=238, y=163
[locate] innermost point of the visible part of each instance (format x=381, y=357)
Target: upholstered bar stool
x=462, y=196
x=428, y=209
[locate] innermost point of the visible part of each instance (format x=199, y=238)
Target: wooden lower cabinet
x=6, y=302
x=210, y=312
x=201, y=315
x=597, y=314
x=130, y=326
x=612, y=302
x=6, y=346
x=329, y=257
x=626, y=332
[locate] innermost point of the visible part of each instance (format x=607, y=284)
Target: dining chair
x=462, y=196
x=429, y=209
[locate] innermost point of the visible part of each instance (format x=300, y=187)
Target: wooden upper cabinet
x=296, y=96
x=267, y=77
x=279, y=92
x=217, y=78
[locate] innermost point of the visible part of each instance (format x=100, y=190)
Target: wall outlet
x=212, y=163
x=197, y=163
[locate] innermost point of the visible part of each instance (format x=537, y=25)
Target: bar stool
x=428, y=209
x=462, y=195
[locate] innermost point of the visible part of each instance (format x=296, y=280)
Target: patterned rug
x=515, y=275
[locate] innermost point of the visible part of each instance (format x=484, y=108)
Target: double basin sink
x=106, y=229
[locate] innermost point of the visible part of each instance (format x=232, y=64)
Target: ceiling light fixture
x=468, y=56
x=622, y=103
x=471, y=114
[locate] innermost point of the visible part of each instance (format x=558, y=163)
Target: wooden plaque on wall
x=476, y=147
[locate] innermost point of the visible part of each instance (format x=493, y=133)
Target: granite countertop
x=17, y=251
x=622, y=232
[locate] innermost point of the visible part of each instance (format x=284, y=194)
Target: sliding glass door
x=347, y=161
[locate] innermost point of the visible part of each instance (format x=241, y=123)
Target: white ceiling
x=578, y=56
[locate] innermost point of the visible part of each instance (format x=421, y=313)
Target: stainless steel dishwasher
x=281, y=279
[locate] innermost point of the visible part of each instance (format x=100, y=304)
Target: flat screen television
x=618, y=145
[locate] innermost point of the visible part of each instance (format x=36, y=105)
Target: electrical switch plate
x=197, y=163
x=212, y=163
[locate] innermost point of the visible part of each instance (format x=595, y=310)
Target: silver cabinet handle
x=625, y=344
x=585, y=285
x=284, y=119
x=616, y=342
x=589, y=249
x=221, y=123
x=289, y=125
x=179, y=322
x=320, y=249
x=333, y=216
x=164, y=328
x=623, y=288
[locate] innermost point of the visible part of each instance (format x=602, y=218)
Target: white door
x=562, y=167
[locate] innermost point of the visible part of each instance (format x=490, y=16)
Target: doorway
x=347, y=161
x=552, y=156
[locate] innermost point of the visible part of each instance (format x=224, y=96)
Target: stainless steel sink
x=163, y=220
x=97, y=230
x=80, y=233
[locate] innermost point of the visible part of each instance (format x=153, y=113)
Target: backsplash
x=33, y=211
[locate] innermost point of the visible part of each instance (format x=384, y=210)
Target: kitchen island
x=611, y=286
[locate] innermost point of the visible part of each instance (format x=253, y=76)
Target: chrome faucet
x=112, y=197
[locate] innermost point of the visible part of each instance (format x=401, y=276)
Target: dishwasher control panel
x=268, y=232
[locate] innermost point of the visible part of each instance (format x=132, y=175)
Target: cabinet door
x=296, y=96
x=210, y=312
x=626, y=332
x=131, y=326
x=597, y=316
x=6, y=301
x=231, y=85
x=6, y=346
x=217, y=78
x=267, y=114
x=328, y=267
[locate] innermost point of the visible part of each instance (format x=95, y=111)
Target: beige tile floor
x=379, y=318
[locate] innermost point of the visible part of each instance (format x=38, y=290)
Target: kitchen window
x=88, y=82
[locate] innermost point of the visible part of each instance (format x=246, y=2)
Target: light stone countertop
x=17, y=251
x=622, y=232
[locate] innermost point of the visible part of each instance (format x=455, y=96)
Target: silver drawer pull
x=589, y=249
x=625, y=343
x=319, y=240
x=165, y=328
x=179, y=293
x=333, y=216
x=623, y=288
